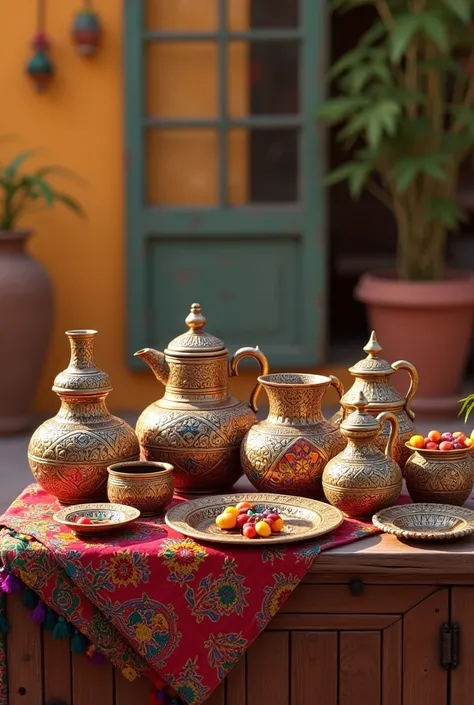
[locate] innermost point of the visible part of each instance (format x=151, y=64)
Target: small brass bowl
x=143, y=484
x=439, y=476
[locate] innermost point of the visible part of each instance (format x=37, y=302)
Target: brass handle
x=411, y=369
x=382, y=418
x=339, y=387
x=258, y=355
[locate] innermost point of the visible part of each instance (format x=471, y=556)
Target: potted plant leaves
x=404, y=109
x=26, y=293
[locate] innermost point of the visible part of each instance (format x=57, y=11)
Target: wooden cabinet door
x=378, y=648
x=462, y=675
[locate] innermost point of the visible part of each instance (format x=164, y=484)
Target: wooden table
x=378, y=622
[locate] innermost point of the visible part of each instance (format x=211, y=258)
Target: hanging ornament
x=86, y=30
x=40, y=67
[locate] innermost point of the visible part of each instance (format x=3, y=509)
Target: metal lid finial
x=195, y=320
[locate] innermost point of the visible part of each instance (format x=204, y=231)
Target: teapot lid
x=196, y=341
x=360, y=419
x=372, y=364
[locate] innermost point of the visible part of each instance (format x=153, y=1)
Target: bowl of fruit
x=440, y=468
x=96, y=518
x=253, y=518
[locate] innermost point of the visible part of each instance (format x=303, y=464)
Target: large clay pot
x=26, y=319
x=428, y=323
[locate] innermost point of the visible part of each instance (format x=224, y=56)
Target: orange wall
x=78, y=123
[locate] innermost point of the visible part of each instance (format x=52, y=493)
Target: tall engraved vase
x=69, y=454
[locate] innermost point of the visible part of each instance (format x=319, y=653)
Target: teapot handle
x=258, y=355
x=382, y=418
x=411, y=369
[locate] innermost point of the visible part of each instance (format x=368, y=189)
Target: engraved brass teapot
x=372, y=377
x=362, y=479
x=196, y=426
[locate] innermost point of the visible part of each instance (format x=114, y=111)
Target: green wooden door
x=258, y=269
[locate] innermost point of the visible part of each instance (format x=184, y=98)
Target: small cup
x=143, y=484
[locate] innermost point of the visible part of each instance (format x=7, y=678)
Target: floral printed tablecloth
x=153, y=602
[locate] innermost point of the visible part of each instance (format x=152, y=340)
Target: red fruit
x=434, y=436
x=426, y=440
x=432, y=446
x=268, y=521
x=459, y=446
x=447, y=436
x=459, y=437
x=242, y=519
x=249, y=531
x=83, y=520
x=243, y=511
x=446, y=445
x=274, y=516
x=251, y=520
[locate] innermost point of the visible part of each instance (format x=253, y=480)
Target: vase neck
x=76, y=409
x=82, y=349
x=13, y=242
x=295, y=404
x=82, y=376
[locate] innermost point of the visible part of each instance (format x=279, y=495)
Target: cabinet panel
x=424, y=681
x=268, y=669
x=359, y=668
x=462, y=677
x=314, y=662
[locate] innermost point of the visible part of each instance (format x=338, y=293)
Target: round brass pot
x=145, y=485
x=443, y=477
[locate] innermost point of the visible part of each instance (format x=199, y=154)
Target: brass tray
x=116, y=516
x=304, y=518
x=425, y=522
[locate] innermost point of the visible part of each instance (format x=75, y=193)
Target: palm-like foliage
x=405, y=107
x=19, y=191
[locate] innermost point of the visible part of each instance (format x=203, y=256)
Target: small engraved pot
x=362, y=479
x=147, y=486
x=69, y=454
x=444, y=477
x=287, y=452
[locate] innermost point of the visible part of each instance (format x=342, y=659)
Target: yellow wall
x=78, y=123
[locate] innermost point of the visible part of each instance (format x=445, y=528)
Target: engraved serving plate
x=373, y=379
x=303, y=518
x=106, y=517
x=197, y=426
x=426, y=522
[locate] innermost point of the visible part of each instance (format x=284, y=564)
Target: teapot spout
x=156, y=362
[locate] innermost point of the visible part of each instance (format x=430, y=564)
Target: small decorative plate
x=303, y=518
x=426, y=522
x=104, y=517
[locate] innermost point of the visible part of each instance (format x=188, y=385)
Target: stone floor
x=15, y=473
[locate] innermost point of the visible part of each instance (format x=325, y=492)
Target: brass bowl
x=143, y=484
x=425, y=522
x=104, y=518
x=440, y=476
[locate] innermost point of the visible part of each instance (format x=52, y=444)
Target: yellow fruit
x=262, y=528
x=417, y=441
x=231, y=510
x=472, y=435
x=226, y=521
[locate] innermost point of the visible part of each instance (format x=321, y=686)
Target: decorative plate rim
x=131, y=514
x=331, y=517
x=385, y=517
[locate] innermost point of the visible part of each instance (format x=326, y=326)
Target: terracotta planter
x=429, y=324
x=26, y=317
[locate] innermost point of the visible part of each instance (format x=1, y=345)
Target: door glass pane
x=181, y=167
x=181, y=15
x=262, y=166
x=263, y=78
x=275, y=13
x=181, y=79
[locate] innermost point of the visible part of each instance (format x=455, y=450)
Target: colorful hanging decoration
x=40, y=67
x=87, y=30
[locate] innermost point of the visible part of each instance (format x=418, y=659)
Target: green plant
x=19, y=191
x=467, y=406
x=405, y=108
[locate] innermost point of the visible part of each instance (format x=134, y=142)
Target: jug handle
x=382, y=418
x=411, y=369
x=339, y=387
x=258, y=355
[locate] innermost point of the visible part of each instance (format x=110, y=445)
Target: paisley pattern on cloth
x=155, y=603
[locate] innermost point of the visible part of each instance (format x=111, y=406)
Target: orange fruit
x=434, y=436
x=244, y=505
x=226, y=521
x=277, y=526
x=262, y=528
x=417, y=441
x=231, y=510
